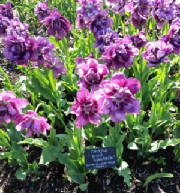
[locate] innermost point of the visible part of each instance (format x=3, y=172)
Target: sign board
x=100, y=158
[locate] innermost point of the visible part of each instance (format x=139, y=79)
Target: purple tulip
x=101, y=23
x=104, y=40
x=10, y=106
x=118, y=98
x=16, y=50
x=42, y=10
x=179, y=94
x=33, y=124
x=86, y=108
x=57, y=25
x=163, y=11
x=137, y=19
x=6, y=10
x=139, y=11
x=156, y=52
x=91, y=73
x=120, y=54
x=173, y=37
x=87, y=12
x=139, y=40
x=43, y=53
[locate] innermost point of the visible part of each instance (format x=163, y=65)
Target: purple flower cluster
x=120, y=54
x=173, y=37
x=6, y=10
x=6, y=15
x=156, y=52
x=114, y=97
x=90, y=15
x=22, y=49
x=43, y=51
x=42, y=10
x=18, y=49
x=163, y=11
x=139, y=11
x=33, y=124
x=104, y=40
x=118, y=97
x=116, y=52
x=57, y=25
x=101, y=23
x=86, y=108
x=139, y=40
x=87, y=12
x=11, y=110
x=10, y=106
x=91, y=73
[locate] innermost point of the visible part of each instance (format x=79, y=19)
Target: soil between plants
x=53, y=178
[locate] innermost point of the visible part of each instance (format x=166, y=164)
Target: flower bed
x=105, y=74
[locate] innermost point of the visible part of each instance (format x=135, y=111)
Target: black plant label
x=100, y=158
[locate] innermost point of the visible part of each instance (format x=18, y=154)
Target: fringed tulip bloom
x=42, y=10
x=91, y=73
x=57, y=25
x=118, y=98
x=139, y=11
x=156, y=53
x=19, y=49
x=44, y=52
x=33, y=124
x=101, y=24
x=103, y=41
x=163, y=11
x=173, y=37
x=16, y=50
x=139, y=40
x=86, y=108
x=10, y=106
x=87, y=12
x=6, y=10
x=120, y=54
x=137, y=19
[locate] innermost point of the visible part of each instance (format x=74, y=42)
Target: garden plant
x=91, y=74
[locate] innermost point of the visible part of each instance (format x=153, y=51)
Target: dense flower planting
x=104, y=73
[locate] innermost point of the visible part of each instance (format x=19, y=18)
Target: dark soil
x=9, y=67
x=53, y=178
